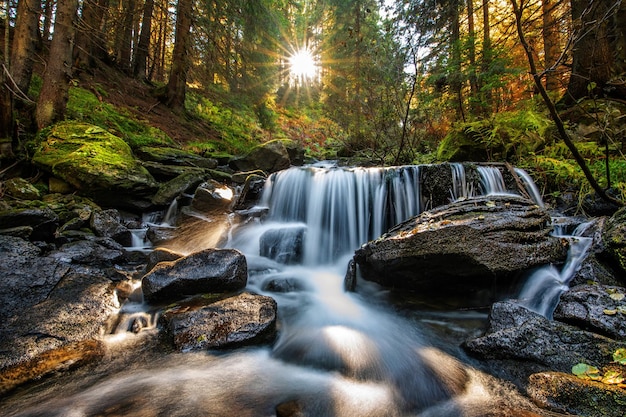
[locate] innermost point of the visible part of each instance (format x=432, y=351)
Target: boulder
x=207, y=271
x=177, y=157
x=529, y=338
x=566, y=393
x=614, y=238
x=161, y=255
x=108, y=223
x=50, y=312
x=283, y=245
x=42, y=220
x=269, y=157
x=100, y=252
x=183, y=183
x=96, y=163
x=21, y=189
x=235, y=321
x=597, y=308
x=252, y=190
x=475, y=243
x=212, y=198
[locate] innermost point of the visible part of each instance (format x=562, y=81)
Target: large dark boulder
x=527, y=337
x=207, y=271
x=476, y=243
x=239, y=320
x=177, y=157
x=50, y=312
x=268, y=157
x=41, y=222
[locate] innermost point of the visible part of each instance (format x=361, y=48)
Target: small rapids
x=337, y=353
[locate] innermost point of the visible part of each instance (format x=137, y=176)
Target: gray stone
x=591, y=307
x=207, y=271
x=283, y=245
x=234, y=321
x=476, y=243
x=107, y=223
x=268, y=157
x=527, y=337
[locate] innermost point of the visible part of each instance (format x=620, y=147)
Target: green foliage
x=238, y=130
x=506, y=136
x=619, y=356
x=85, y=107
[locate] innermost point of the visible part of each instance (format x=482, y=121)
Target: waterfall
x=342, y=207
x=543, y=288
x=491, y=181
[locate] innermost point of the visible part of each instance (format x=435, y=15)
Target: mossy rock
x=614, y=238
x=95, y=162
x=172, y=156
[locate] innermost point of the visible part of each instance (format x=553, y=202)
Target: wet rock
x=283, y=285
x=252, y=190
x=527, y=337
x=21, y=189
x=614, y=238
x=239, y=320
x=566, y=393
x=101, y=252
x=107, y=223
x=161, y=255
x=183, y=183
x=55, y=360
x=212, y=198
x=207, y=271
x=283, y=245
x=172, y=156
x=159, y=235
x=476, y=243
x=596, y=308
x=269, y=157
x=295, y=152
x=47, y=304
x=43, y=221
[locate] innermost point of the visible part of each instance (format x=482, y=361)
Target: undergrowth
x=84, y=106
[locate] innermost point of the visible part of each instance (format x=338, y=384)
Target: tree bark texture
x=25, y=40
x=53, y=96
x=177, y=84
x=141, y=57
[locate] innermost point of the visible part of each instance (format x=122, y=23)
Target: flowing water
x=337, y=353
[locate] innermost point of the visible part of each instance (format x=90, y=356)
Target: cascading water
x=544, y=286
x=338, y=353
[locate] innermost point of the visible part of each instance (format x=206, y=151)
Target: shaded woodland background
x=394, y=81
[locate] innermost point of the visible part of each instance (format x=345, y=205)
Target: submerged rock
x=239, y=320
x=283, y=245
x=207, y=271
x=476, y=243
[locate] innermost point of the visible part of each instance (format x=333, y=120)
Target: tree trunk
x=53, y=96
x=486, y=58
x=141, y=57
x=456, y=81
x=592, y=55
x=47, y=20
x=551, y=43
x=25, y=40
x=177, y=84
x=90, y=45
x=471, y=52
x=124, y=52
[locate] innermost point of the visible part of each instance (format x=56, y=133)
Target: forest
x=388, y=82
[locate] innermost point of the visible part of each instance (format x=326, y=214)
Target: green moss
x=90, y=158
x=84, y=106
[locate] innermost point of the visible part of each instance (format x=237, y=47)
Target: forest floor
x=140, y=99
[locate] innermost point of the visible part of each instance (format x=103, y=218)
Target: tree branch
x=554, y=113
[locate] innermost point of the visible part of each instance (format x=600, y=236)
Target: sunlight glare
x=302, y=64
